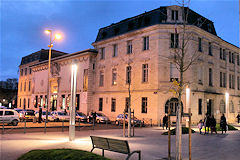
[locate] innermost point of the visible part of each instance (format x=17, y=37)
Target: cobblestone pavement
x=149, y=140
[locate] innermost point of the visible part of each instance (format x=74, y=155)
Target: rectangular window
x=114, y=76
x=129, y=47
x=113, y=105
x=29, y=86
x=25, y=71
x=144, y=104
x=146, y=43
x=100, y=104
x=102, y=53
x=233, y=82
x=145, y=73
x=41, y=101
x=174, y=40
x=63, y=102
x=224, y=80
x=20, y=103
x=24, y=86
x=174, y=15
x=115, y=50
x=233, y=58
x=210, y=48
x=128, y=74
x=230, y=81
x=224, y=54
x=210, y=77
x=28, y=102
x=221, y=53
x=238, y=82
x=200, y=75
x=85, y=80
x=200, y=44
x=127, y=103
x=238, y=60
x=21, y=87
x=46, y=101
x=221, y=84
x=101, y=79
x=230, y=57
x=199, y=106
x=30, y=70
x=21, y=72
x=77, y=101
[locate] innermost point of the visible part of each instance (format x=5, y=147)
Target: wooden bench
x=114, y=145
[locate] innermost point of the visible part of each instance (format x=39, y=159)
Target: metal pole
x=62, y=126
x=73, y=103
x=129, y=122
x=106, y=124
x=169, y=134
x=45, y=124
x=124, y=123
x=24, y=126
x=190, y=134
x=93, y=123
x=133, y=123
x=3, y=127
x=79, y=124
x=49, y=74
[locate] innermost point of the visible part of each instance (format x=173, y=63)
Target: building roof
x=41, y=56
x=156, y=16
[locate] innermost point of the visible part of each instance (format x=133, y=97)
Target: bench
x=114, y=145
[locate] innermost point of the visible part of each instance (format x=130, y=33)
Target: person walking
x=223, y=123
x=238, y=118
x=206, y=123
x=200, y=125
x=165, y=121
x=213, y=124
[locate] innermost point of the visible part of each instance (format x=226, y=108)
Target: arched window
x=24, y=103
x=231, y=107
x=222, y=106
x=172, y=103
x=20, y=102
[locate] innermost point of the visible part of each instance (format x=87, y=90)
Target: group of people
x=210, y=122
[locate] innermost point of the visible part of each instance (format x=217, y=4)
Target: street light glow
x=47, y=31
x=58, y=36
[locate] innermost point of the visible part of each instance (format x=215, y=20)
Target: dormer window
x=174, y=15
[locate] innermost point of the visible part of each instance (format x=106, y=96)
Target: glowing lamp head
x=58, y=36
x=48, y=31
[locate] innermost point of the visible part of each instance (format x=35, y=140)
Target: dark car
x=120, y=119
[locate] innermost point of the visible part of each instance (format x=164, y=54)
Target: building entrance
x=209, y=106
x=54, y=102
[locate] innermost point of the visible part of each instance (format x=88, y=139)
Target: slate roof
x=156, y=16
x=41, y=56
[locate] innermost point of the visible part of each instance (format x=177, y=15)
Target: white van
x=9, y=116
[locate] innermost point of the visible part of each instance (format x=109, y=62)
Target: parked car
x=26, y=115
x=18, y=110
x=9, y=116
x=100, y=118
x=60, y=116
x=81, y=116
x=44, y=113
x=120, y=119
x=3, y=107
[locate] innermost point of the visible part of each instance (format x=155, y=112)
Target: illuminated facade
x=137, y=51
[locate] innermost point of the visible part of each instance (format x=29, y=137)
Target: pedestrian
x=94, y=115
x=213, y=124
x=238, y=118
x=165, y=121
x=40, y=115
x=200, y=125
x=206, y=123
x=223, y=123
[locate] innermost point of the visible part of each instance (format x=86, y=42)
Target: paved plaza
x=149, y=140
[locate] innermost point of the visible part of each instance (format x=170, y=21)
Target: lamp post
x=57, y=36
x=73, y=103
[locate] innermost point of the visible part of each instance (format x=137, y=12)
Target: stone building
x=138, y=51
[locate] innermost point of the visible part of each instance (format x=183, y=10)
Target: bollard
x=62, y=125
x=151, y=122
x=93, y=123
x=3, y=127
x=45, y=123
x=124, y=124
x=106, y=124
x=79, y=124
x=24, y=126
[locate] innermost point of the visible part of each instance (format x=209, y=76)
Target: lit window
x=146, y=43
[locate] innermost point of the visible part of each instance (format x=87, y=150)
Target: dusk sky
x=23, y=23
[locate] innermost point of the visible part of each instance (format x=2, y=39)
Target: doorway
x=209, y=106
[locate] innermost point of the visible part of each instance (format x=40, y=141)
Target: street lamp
x=57, y=36
x=73, y=102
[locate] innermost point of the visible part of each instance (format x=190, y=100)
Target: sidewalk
x=149, y=140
